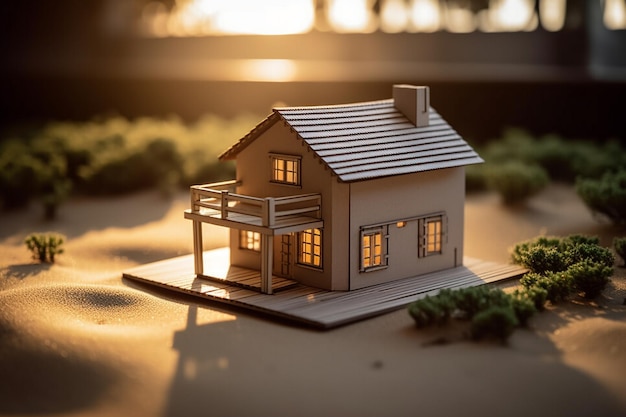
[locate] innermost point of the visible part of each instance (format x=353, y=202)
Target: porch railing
x=219, y=197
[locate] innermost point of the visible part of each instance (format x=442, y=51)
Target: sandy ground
x=77, y=340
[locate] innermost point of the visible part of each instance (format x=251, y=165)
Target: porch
x=217, y=204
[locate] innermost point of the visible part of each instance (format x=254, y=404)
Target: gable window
x=250, y=240
x=373, y=248
x=286, y=169
x=431, y=237
x=310, y=248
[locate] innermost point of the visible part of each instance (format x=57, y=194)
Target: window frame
x=311, y=245
x=368, y=233
x=426, y=237
x=275, y=158
x=249, y=240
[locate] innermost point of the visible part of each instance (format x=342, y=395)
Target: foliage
x=561, y=266
x=589, y=277
x=605, y=196
x=495, y=321
x=516, y=181
x=113, y=156
x=524, y=304
x=619, y=243
x=45, y=247
x=491, y=311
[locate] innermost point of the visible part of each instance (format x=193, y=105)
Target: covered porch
x=217, y=204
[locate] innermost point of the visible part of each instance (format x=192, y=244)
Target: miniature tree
x=516, y=181
x=606, y=196
x=45, y=247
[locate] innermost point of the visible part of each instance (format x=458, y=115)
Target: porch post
x=267, y=246
x=198, y=262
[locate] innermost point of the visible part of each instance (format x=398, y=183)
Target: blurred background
x=549, y=66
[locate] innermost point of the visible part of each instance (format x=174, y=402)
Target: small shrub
x=498, y=322
x=606, y=196
x=45, y=247
x=589, y=277
x=472, y=300
x=516, y=181
x=523, y=306
x=619, y=243
x=432, y=311
x=590, y=252
x=557, y=285
x=538, y=296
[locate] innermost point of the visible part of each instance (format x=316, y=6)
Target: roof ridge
x=334, y=106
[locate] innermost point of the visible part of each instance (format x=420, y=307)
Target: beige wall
x=253, y=170
x=403, y=197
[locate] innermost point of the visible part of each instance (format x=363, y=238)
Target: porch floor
x=307, y=305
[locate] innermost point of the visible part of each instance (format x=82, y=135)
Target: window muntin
x=250, y=240
x=310, y=248
x=431, y=235
x=373, y=248
x=286, y=169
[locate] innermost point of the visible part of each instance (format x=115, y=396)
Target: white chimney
x=414, y=102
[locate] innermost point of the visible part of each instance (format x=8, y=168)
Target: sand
x=77, y=340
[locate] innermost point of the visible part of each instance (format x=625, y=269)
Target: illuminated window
x=310, y=247
x=286, y=169
x=431, y=235
x=373, y=254
x=250, y=240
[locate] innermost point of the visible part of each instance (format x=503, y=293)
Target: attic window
x=285, y=169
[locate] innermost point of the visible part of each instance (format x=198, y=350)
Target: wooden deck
x=311, y=306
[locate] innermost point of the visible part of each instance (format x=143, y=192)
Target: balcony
x=216, y=204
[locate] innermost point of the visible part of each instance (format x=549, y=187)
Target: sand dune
x=77, y=340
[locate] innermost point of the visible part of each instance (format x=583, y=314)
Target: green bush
x=537, y=295
x=516, y=181
x=491, y=311
x=589, y=252
x=524, y=306
x=469, y=301
x=431, y=311
x=557, y=285
x=605, y=196
x=620, y=247
x=497, y=321
x=45, y=247
x=589, y=277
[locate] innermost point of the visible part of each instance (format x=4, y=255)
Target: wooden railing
x=217, y=196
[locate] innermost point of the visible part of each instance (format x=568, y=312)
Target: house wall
x=387, y=200
x=254, y=171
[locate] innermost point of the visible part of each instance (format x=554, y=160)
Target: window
x=250, y=240
x=286, y=169
x=373, y=248
x=431, y=235
x=310, y=248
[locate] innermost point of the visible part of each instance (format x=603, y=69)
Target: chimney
x=414, y=102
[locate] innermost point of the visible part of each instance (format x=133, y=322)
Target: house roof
x=369, y=140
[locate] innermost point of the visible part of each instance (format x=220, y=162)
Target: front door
x=283, y=261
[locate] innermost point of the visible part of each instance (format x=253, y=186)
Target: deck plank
x=307, y=305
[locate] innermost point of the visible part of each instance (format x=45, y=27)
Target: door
x=283, y=260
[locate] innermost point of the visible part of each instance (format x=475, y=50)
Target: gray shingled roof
x=369, y=140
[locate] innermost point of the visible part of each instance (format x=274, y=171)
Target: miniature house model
x=342, y=197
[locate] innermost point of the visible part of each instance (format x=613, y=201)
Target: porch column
x=267, y=246
x=198, y=262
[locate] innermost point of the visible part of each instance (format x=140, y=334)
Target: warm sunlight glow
x=350, y=15
x=393, y=16
x=267, y=17
x=615, y=14
x=425, y=15
x=207, y=17
x=459, y=19
x=267, y=70
x=509, y=16
x=552, y=14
